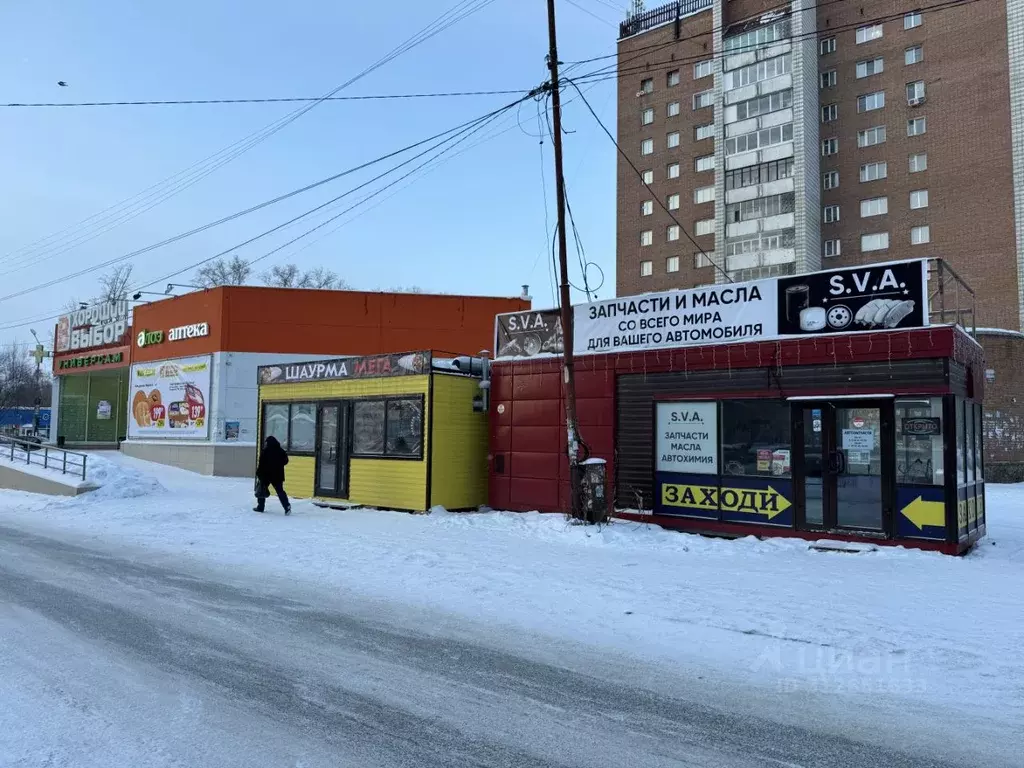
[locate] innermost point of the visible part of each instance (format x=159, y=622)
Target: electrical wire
x=591, y=14
x=280, y=100
x=173, y=185
x=639, y=173
x=238, y=214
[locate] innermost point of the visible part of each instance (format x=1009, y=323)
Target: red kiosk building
x=825, y=405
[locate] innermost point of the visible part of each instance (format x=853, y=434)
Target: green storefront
x=91, y=370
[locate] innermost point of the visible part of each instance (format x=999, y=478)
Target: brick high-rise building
x=827, y=133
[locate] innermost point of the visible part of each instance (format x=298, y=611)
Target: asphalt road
x=111, y=660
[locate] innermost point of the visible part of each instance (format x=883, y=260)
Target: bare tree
x=406, y=289
x=290, y=276
x=235, y=271
x=114, y=283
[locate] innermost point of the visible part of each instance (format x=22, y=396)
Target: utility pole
x=568, y=368
x=40, y=354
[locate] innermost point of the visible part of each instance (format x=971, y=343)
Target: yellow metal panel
x=459, y=462
x=391, y=483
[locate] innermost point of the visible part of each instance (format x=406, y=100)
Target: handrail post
x=46, y=458
x=84, y=459
x=64, y=470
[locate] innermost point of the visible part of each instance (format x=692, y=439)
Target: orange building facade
x=192, y=390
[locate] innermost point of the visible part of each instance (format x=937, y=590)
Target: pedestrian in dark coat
x=270, y=473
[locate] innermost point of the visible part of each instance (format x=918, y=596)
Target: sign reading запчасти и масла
x=868, y=298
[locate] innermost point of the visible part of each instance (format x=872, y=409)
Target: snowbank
x=892, y=625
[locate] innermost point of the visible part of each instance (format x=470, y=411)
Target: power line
x=177, y=183
x=204, y=227
x=640, y=174
x=591, y=14
x=281, y=100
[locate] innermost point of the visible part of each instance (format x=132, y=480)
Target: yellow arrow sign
x=922, y=513
x=769, y=503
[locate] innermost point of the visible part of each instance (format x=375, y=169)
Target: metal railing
x=641, y=22
x=36, y=454
x=950, y=298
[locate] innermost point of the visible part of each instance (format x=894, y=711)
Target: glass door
x=844, y=474
x=331, y=453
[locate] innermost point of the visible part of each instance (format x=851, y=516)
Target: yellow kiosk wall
x=395, y=483
x=458, y=466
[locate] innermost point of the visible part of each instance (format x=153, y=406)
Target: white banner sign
x=678, y=318
x=169, y=399
x=687, y=438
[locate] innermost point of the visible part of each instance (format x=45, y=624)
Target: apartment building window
x=647, y=208
x=763, y=35
x=913, y=55
x=673, y=109
x=874, y=171
x=874, y=242
x=647, y=85
x=704, y=227
x=646, y=268
x=826, y=46
x=912, y=19
x=647, y=116
x=703, y=69
x=762, y=243
x=869, y=33
x=871, y=101
x=771, y=103
x=870, y=67
x=920, y=235
x=830, y=214
x=875, y=206
x=871, y=136
x=759, y=174
x=702, y=261
x=673, y=78
x=672, y=140
x=646, y=238
x=703, y=99
x=915, y=92
x=672, y=264
x=702, y=132
x=704, y=195
x=647, y=147
x=829, y=147
x=829, y=113
x=672, y=171
x=672, y=233
x=761, y=207
x=673, y=202
x=828, y=79
x=919, y=162
x=830, y=179
x=916, y=127
x=831, y=248
x=766, y=137
x=755, y=73
x=705, y=163
x=648, y=177
x=919, y=199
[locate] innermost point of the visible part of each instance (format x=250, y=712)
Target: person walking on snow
x=270, y=472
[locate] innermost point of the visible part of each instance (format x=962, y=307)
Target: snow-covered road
x=159, y=622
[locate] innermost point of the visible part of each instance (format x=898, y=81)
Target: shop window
x=969, y=440
x=756, y=438
x=919, y=441
x=391, y=428
x=979, y=444
x=961, y=459
x=293, y=424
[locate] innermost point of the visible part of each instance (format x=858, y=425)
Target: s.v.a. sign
x=874, y=297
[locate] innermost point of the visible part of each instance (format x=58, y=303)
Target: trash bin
x=593, y=490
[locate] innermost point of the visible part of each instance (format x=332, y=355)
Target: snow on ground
x=895, y=625
x=50, y=467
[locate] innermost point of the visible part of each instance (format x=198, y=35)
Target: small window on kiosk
x=979, y=443
x=293, y=424
x=961, y=443
x=969, y=440
x=919, y=441
x=275, y=422
x=388, y=428
x=756, y=438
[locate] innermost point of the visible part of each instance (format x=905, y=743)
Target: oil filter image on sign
x=879, y=297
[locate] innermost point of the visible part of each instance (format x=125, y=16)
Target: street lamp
x=140, y=294
x=172, y=286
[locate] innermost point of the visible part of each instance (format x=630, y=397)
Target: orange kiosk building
x=192, y=389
